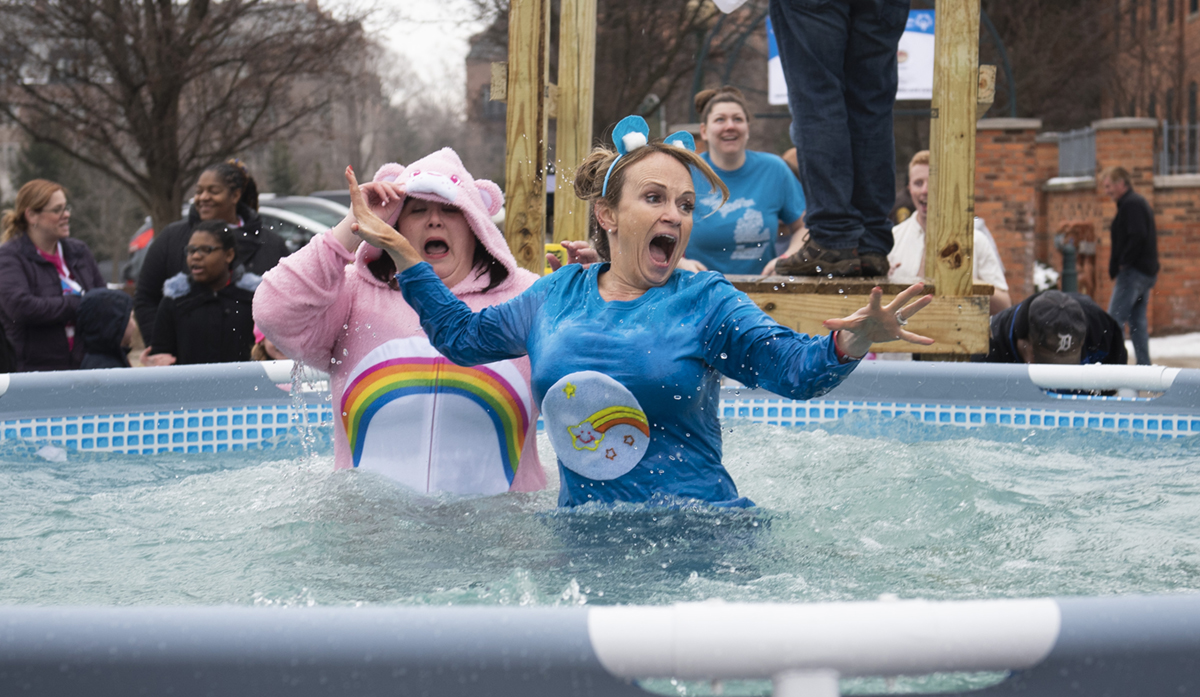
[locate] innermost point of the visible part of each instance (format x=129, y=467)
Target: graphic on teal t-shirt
x=739, y=237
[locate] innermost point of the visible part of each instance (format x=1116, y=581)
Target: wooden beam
x=526, y=129
x=958, y=325
x=499, y=86
x=576, y=84
x=949, y=235
x=987, y=89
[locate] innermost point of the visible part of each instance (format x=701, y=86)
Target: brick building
x=1025, y=202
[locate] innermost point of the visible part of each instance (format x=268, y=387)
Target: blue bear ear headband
x=631, y=133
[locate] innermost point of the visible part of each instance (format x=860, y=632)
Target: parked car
x=295, y=229
x=322, y=210
x=341, y=196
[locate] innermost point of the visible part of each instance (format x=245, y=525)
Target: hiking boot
x=874, y=265
x=815, y=260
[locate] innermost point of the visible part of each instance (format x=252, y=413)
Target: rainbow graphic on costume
x=393, y=379
x=589, y=433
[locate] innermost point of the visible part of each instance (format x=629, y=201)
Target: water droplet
x=678, y=397
x=724, y=356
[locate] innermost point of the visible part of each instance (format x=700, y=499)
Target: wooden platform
x=958, y=324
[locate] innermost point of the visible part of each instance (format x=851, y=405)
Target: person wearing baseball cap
x=1056, y=327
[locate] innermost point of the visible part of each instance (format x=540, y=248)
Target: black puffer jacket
x=33, y=308
x=103, y=317
x=198, y=325
x=258, y=251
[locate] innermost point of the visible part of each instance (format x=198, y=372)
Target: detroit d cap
x=1057, y=328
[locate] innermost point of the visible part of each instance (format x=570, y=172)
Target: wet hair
x=589, y=181
x=705, y=100
x=384, y=268
x=233, y=174
x=33, y=196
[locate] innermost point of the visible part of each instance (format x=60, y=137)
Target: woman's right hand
x=156, y=360
x=371, y=228
x=691, y=265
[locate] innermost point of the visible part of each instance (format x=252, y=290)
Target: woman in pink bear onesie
x=406, y=411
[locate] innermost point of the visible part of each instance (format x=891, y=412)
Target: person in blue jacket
x=739, y=235
x=626, y=355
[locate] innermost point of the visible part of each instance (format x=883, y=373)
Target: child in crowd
x=206, y=312
x=105, y=324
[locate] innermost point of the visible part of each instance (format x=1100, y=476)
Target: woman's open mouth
x=436, y=249
x=662, y=247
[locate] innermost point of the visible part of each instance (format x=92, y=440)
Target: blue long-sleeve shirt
x=630, y=389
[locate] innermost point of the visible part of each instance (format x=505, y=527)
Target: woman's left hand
x=879, y=323
x=377, y=233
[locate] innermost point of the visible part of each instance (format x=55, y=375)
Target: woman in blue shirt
x=627, y=355
x=739, y=236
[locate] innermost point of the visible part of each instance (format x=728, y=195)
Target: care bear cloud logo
x=596, y=425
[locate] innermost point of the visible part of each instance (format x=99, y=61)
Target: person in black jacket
x=1133, y=264
x=1056, y=327
x=205, y=315
x=224, y=192
x=106, y=327
x=43, y=274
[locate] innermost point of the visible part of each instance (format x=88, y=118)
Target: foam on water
x=864, y=507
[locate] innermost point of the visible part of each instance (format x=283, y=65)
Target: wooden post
x=525, y=167
x=950, y=234
x=576, y=81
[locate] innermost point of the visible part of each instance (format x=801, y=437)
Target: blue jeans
x=1130, y=296
x=839, y=59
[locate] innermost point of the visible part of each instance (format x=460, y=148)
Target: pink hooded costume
x=406, y=411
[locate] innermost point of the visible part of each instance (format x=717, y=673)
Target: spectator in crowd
x=264, y=349
x=1056, y=327
x=405, y=411
x=1133, y=265
x=106, y=327
x=43, y=274
x=206, y=314
x=839, y=60
x=907, y=258
x=224, y=192
x=739, y=237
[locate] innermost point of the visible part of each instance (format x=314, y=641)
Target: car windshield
x=321, y=214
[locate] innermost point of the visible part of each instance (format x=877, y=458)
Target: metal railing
x=1120, y=646
x=1180, y=149
x=1077, y=153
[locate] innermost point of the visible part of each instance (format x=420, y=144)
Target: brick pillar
x=1046, y=149
x=1006, y=188
x=1128, y=142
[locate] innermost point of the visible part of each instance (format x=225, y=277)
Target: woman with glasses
x=43, y=275
x=205, y=315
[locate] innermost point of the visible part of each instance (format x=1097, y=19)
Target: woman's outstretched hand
x=371, y=228
x=878, y=322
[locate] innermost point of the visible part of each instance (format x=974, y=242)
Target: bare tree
x=151, y=92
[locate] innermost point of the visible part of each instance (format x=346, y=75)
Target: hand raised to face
x=374, y=231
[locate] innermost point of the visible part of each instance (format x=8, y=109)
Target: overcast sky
x=430, y=36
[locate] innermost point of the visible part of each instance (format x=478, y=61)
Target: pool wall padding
x=245, y=406
x=1117, y=646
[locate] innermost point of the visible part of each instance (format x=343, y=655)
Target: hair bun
x=702, y=98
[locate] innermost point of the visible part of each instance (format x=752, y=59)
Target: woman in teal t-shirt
x=739, y=237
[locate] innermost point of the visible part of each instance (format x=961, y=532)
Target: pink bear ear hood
x=441, y=177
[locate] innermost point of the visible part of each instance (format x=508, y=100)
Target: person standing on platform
x=1133, y=265
x=839, y=60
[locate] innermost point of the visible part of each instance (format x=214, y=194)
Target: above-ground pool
x=211, y=485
